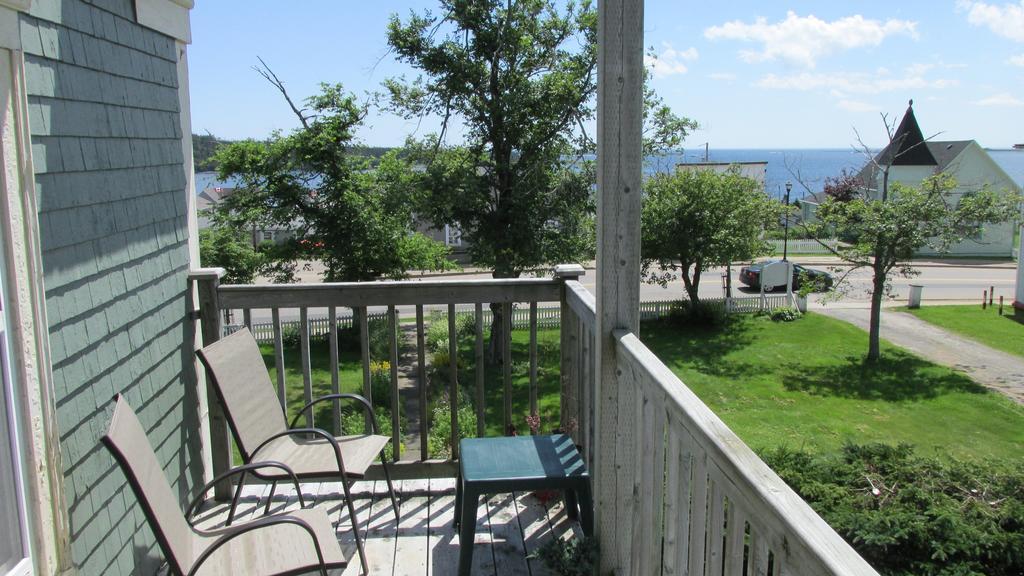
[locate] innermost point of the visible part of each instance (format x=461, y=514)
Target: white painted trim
x=168, y=17
x=199, y=373
x=20, y=5
x=28, y=335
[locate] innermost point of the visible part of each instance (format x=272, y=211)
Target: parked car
x=751, y=276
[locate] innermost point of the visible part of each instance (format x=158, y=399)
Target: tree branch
x=276, y=82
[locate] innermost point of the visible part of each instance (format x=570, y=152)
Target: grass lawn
x=986, y=326
x=803, y=384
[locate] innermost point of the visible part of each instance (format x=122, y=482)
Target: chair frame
x=172, y=560
x=251, y=458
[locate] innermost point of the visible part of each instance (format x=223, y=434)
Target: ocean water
x=806, y=168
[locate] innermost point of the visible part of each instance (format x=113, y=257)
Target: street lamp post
x=785, y=241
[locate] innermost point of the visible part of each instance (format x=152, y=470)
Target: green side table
x=518, y=464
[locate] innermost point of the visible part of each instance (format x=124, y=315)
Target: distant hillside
x=204, y=147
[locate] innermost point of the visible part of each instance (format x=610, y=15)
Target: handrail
x=390, y=293
x=797, y=536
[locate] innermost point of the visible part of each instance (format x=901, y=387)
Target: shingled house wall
x=110, y=179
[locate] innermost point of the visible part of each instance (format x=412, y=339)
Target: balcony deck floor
x=509, y=526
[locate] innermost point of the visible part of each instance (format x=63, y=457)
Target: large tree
x=886, y=230
x=358, y=222
x=885, y=223
x=692, y=220
x=518, y=77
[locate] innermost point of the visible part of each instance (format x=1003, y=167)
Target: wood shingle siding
x=106, y=146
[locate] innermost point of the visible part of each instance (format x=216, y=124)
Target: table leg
x=458, y=501
x=571, y=504
x=467, y=530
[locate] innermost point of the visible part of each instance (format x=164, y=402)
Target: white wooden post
x=620, y=49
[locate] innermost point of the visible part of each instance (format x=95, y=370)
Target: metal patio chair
x=260, y=429
x=289, y=543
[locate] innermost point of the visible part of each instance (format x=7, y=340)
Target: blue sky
x=754, y=74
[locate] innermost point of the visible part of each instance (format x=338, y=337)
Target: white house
x=912, y=159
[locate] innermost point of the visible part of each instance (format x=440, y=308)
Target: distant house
x=755, y=170
x=214, y=193
x=912, y=159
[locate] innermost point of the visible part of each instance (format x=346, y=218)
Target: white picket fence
x=804, y=246
x=548, y=317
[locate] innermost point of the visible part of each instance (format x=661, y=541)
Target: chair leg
x=355, y=527
x=273, y=486
x=391, y=488
x=234, y=499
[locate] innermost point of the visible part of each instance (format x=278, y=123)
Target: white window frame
x=13, y=425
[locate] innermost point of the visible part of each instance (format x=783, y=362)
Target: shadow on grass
x=701, y=348
x=897, y=376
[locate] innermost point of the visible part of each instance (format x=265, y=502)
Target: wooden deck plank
x=506, y=535
x=381, y=536
x=442, y=540
x=536, y=528
x=412, y=549
x=362, y=500
x=424, y=541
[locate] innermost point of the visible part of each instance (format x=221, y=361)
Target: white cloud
x=723, y=76
x=1003, y=99
x=1017, y=60
x=670, y=61
x=802, y=40
x=1006, y=20
x=856, y=106
x=853, y=82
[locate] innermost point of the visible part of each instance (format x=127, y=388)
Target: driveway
x=993, y=369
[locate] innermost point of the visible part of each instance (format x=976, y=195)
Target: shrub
x=908, y=514
x=353, y=421
x=785, y=314
x=439, y=439
x=576, y=557
x=380, y=383
x=697, y=314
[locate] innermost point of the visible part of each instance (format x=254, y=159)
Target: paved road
x=941, y=282
x=991, y=368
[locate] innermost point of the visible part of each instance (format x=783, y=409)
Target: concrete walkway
x=993, y=369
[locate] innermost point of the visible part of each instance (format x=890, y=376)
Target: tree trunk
x=494, y=345
x=692, y=284
x=874, y=349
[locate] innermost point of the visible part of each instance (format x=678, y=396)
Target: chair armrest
x=201, y=496
x=356, y=397
x=314, y=431
x=256, y=525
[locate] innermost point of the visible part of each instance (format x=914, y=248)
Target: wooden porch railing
x=702, y=502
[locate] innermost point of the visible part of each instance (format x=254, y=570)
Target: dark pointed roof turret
x=908, y=147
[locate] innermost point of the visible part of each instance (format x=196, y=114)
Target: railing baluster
x=533, y=359
x=716, y=520
x=698, y=512
x=307, y=377
x=758, y=552
x=506, y=362
x=332, y=343
x=675, y=507
x=279, y=369
x=453, y=389
x=480, y=369
x=247, y=318
x=396, y=432
x=364, y=354
x=643, y=529
x=736, y=525
x=421, y=363
x=657, y=486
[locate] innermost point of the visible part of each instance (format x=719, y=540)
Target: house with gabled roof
x=911, y=158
